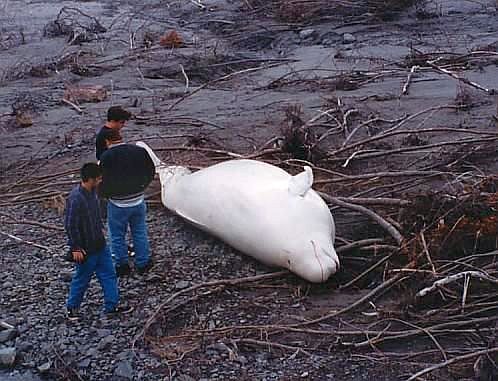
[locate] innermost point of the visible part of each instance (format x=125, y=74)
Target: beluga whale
x=257, y=208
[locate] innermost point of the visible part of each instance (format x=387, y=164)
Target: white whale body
x=257, y=208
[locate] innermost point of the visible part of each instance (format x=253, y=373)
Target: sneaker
x=145, y=269
x=131, y=251
x=73, y=314
x=121, y=308
x=122, y=270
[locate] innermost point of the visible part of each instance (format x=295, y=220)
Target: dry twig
x=452, y=278
x=451, y=361
x=23, y=241
x=381, y=221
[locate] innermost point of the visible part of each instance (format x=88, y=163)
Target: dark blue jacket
x=83, y=222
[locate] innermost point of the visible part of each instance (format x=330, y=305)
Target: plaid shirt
x=83, y=222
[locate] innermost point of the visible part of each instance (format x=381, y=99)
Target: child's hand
x=78, y=256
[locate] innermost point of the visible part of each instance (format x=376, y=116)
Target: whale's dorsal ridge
x=301, y=183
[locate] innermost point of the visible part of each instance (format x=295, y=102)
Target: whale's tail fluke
x=157, y=162
x=167, y=174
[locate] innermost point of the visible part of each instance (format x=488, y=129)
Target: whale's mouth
x=334, y=258
x=325, y=267
x=318, y=258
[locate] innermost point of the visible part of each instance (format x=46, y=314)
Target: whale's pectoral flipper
x=301, y=183
x=190, y=219
x=157, y=162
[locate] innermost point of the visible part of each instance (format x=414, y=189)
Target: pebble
x=220, y=347
x=307, y=33
x=7, y=335
x=125, y=355
x=348, y=38
x=8, y=356
x=124, y=369
x=45, y=367
x=242, y=360
x=84, y=363
x=92, y=352
x=26, y=376
x=185, y=377
x=106, y=342
x=182, y=284
x=103, y=332
x=23, y=346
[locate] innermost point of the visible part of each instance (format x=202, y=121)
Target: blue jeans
x=118, y=220
x=99, y=263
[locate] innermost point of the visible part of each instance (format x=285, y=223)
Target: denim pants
x=118, y=220
x=99, y=263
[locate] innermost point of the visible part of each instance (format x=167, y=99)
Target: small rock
x=126, y=355
x=242, y=360
x=7, y=356
x=330, y=38
x=307, y=33
x=304, y=374
x=124, y=369
x=23, y=346
x=84, y=363
x=103, y=332
x=348, y=38
x=45, y=367
x=7, y=335
x=26, y=376
x=106, y=342
x=182, y=284
x=220, y=347
x=23, y=328
x=185, y=377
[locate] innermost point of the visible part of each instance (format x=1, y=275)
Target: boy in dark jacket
x=87, y=243
x=116, y=119
x=127, y=171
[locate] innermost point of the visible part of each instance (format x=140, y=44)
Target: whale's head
x=314, y=259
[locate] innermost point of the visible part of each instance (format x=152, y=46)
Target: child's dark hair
x=90, y=171
x=113, y=135
x=118, y=113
